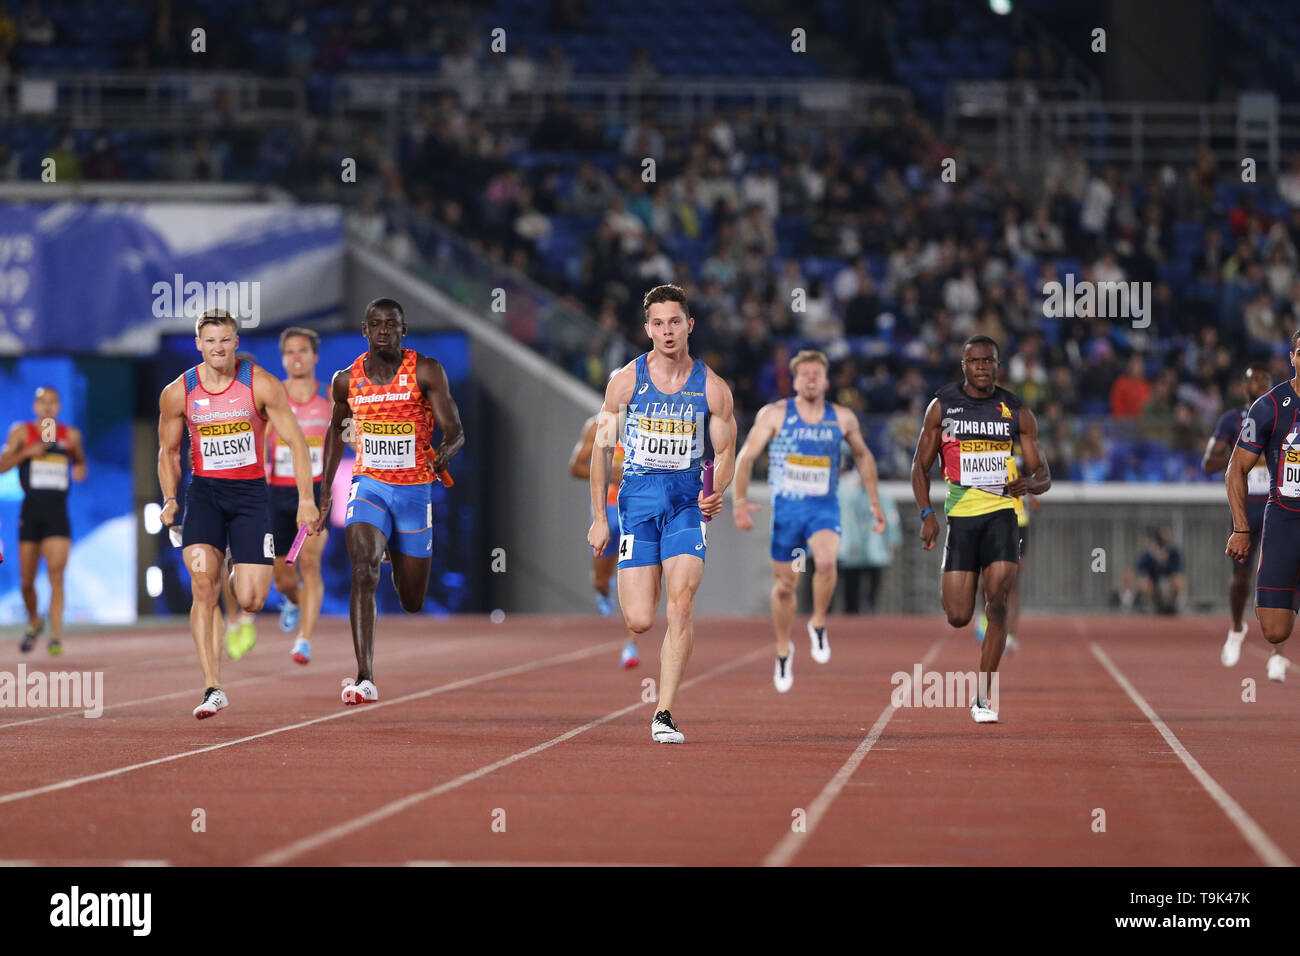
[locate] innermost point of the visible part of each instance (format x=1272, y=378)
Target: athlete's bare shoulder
x=339, y=384
x=172, y=397
x=621, y=384
x=718, y=393
x=845, y=417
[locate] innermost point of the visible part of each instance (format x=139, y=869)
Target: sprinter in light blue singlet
x=803, y=436
x=671, y=413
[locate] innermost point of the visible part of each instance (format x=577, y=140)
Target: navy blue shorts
x=795, y=520
x=230, y=512
x=1277, y=582
x=1254, y=521
x=659, y=518
x=284, y=514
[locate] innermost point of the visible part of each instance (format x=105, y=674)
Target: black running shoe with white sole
x=664, y=731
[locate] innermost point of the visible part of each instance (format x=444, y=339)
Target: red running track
x=525, y=743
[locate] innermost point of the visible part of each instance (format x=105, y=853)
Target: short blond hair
x=215, y=317
x=809, y=355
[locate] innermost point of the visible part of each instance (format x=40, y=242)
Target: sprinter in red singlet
x=386, y=405
x=299, y=351
x=225, y=402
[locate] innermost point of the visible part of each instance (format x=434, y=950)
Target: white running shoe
x=363, y=693
x=821, y=646
x=664, y=731
x=214, y=699
x=1231, y=652
x=983, y=713
x=783, y=671
x=1277, y=665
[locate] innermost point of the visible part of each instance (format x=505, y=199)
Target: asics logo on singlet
x=385, y=397
x=1286, y=403
x=643, y=388
x=792, y=419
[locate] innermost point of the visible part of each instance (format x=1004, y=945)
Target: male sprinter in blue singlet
x=1217, y=453
x=1271, y=429
x=805, y=432
x=677, y=411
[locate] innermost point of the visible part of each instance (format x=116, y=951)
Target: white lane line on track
x=1253, y=833
x=196, y=689
x=367, y=708
x=307, y=844
x=792, y=842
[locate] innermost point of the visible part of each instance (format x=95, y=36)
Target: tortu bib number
x=664, y=443
x=225, y=445
x=284, y=458
x=387, y=446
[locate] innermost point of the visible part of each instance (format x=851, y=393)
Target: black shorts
x=37, y=521
x=1255, y=522
x=230, y=512
x=284, y=514
x=976, y=541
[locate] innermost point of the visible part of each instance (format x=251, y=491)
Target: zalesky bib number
x=225, y=445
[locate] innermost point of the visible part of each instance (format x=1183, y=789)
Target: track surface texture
x=1122, y=741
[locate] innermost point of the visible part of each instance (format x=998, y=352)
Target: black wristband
x=1235, y=531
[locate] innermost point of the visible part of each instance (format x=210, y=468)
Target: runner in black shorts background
x=43, y=450
x=974, y=426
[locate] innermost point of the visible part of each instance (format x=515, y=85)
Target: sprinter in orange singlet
x=386, y=405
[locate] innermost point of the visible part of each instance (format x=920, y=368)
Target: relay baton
x=297, y=545
x=445, y=479
x=708, y=484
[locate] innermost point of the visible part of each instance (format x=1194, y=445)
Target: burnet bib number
x=48, y=473
x=224, y=445
x=388, y=446
x=984, y=463
x=664, y=443
x=807, y=475
x=284, y=458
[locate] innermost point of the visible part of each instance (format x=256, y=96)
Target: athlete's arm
x=1217, y=454
x=722, y=433
x=275, y=405
x=433, y=382
x=1234, y=476
x=766, y=423
x=340, y=422
x=78, y=454
x=16, y=451
x=580, y=460
x=864, y=460
x=1039, y=478
x=617, y=394
x=927, y=447
x=171, y=425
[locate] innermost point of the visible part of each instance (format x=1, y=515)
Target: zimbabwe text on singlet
x=977, y=435
x=666, y=433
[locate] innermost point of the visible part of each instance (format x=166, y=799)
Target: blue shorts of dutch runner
x=795, y=520
x=404, y=513
x=1277, y=582
x=611, y=517
x=659, y=518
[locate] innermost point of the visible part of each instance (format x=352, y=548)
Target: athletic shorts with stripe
x=659, y=518
x=404, y=513
x=1277, y=582
x=229, y=513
